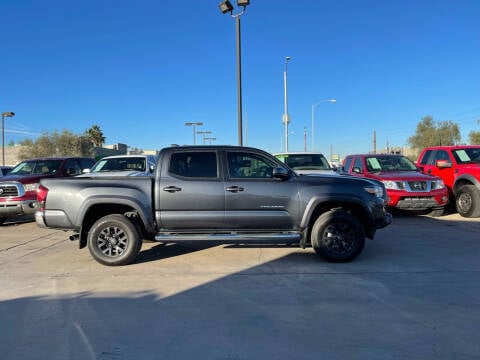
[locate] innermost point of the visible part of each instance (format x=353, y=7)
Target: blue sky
x=141, y=69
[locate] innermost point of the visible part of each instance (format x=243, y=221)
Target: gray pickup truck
x=224, y=194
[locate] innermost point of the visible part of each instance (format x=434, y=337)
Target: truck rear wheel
x=338, y=236
x=467, y=201
x=114, y=240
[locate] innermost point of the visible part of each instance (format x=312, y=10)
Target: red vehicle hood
x=401, y=175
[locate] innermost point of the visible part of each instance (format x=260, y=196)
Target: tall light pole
x=225, y=7
x=333, y=101
x=286, y=116
x=194, y=124
x=304, y=139
x=4, y=115
x=204, y=133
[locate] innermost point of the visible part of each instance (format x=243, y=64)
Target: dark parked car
x=4, y=170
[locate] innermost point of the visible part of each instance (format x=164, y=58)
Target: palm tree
x=95, y=135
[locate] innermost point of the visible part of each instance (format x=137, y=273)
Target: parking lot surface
x=414, y=293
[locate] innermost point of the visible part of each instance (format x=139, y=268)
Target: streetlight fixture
x=204, y=133
x=227, y=7
x=194, y=124
x=210, y=139
x=286, y=116
x=4, y=115
x=333, y=101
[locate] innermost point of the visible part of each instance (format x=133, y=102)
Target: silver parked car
x=306, y=163
x=124, y=165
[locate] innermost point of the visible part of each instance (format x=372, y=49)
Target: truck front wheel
x=338, y=236
x=114, y=240
x=467, y=201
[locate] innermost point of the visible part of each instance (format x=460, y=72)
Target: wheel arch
x=466, y=179
x=96, y=210
x=317, y=207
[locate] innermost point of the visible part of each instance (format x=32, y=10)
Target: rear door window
x=194, y=164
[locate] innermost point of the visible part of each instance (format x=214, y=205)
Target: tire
x=338, y=236
x=467, y=201
x=114, y=240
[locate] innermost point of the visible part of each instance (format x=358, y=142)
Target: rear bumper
x=40, y=219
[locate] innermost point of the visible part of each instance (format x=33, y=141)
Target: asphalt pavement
x=414, y=293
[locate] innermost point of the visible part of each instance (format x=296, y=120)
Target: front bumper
x=419, y=203
x=16, y=207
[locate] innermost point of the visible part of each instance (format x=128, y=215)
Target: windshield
x=467, y=155
x=305, y=161
x=120, y=164
x=389, y=163
x=37, y=167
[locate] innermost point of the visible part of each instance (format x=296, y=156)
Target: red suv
x=18, y=189
x=407, y=188
x=459, y=167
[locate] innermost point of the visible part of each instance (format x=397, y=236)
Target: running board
x=260, y=238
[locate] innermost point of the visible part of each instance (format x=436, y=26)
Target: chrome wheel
x=112, y=241
x=464, y=202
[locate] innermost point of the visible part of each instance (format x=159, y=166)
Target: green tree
x=95, y=134
x=56, y=144
x=474, y=136
x=432, y=133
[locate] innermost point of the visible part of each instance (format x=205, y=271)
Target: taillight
x=42, y=192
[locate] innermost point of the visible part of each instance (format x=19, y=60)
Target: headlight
x=374, y=190
x=393, y=185
x=437, y=184
x=31, y=187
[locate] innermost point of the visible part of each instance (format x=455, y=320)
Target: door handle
x=235, y=189
x=171, y=189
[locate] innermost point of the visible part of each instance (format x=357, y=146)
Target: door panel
x=191, y=194
x=253, y=198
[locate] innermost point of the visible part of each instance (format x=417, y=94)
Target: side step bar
x=261, y=238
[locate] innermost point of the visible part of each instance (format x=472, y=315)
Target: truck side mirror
x=280, y=173
x=443, y=164
x=356, y=170
x=151, y=168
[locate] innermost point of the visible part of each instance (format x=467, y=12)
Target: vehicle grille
x=8, y=190
x=419, y=185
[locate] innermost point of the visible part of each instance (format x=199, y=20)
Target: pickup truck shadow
x=161, y=251
x=18, y=220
